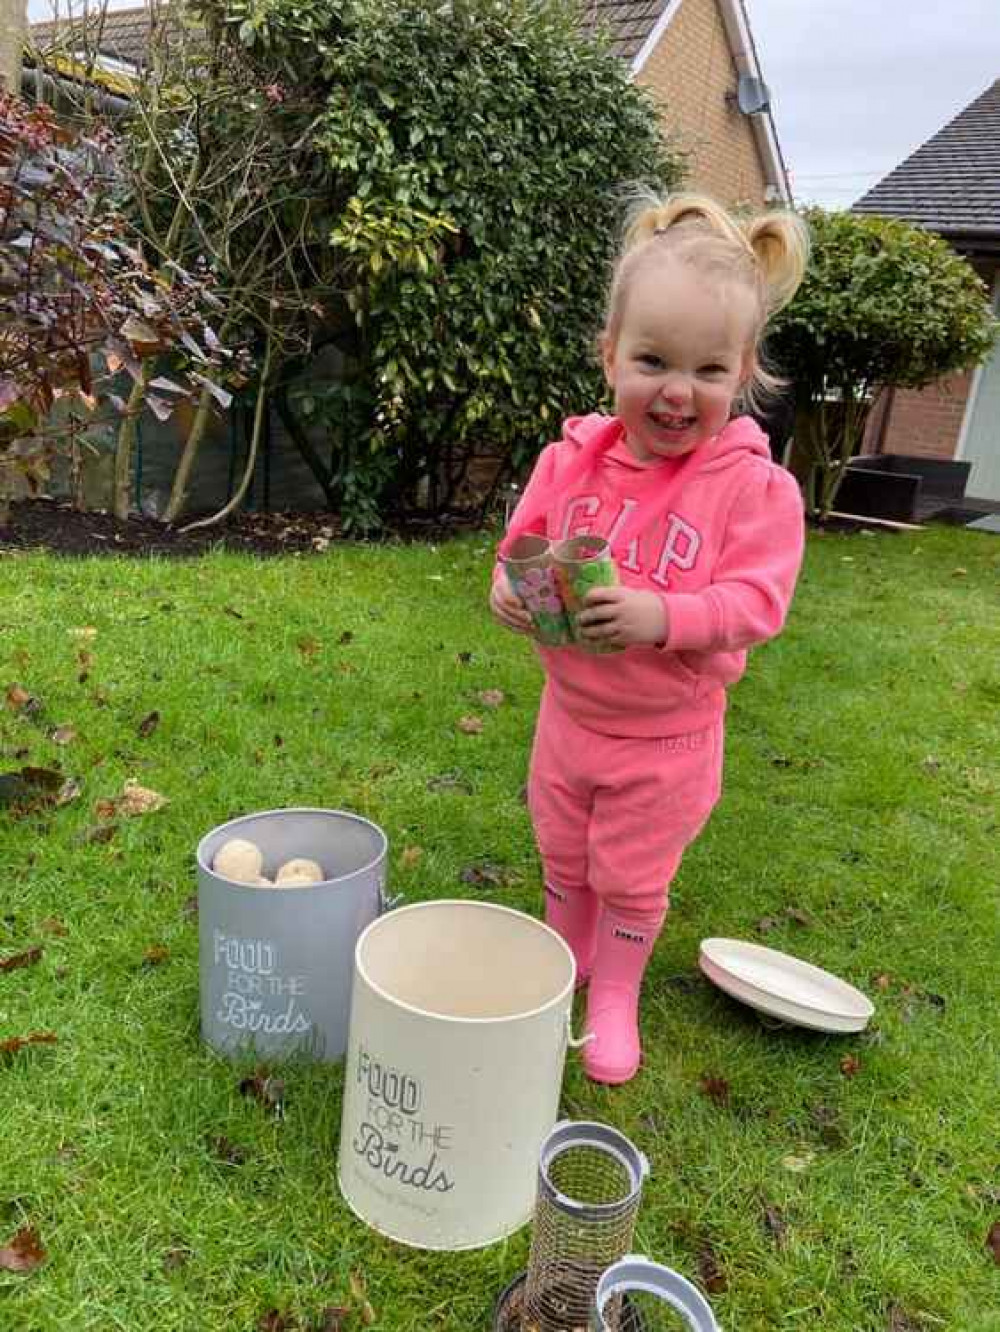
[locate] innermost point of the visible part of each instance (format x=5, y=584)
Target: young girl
x=707, y=534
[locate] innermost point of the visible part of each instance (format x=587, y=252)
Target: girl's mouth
x=670, y=422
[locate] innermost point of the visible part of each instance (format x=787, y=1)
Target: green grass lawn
x=842, y=1183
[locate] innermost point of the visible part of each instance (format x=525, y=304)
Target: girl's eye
x=649, y=360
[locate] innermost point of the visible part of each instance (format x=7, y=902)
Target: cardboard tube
x=582, y=563
x=528, y=565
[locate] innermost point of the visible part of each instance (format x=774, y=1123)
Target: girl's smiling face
x=682, y=350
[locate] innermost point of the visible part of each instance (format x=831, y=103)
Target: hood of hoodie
x=595, y=435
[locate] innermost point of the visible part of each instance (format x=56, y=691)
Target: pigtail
x=780, y=243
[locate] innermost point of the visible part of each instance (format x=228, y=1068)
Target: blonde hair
x=766, y=253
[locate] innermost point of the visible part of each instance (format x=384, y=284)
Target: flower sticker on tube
x=581, y=563
x=528, y=565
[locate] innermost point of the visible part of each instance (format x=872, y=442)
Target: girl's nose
x=675, y=389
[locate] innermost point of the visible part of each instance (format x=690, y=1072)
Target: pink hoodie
x=719, y=533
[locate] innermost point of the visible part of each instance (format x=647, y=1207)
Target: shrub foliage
x=884, y=304
x=461, y=167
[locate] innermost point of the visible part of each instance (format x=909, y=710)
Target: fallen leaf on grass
x=19, y=700
x=492, y=698
x=148, y=725
x=101, y=834
x=798, y=1163
x=133, y=801
x=411, y=855
x=24, y=1252
x=26, y=959
x=900, y=1320
x=470, y=725
x=882, y=981
x=262, y=1087
x=230, y=1152
x=775, y=1225
x=450, y=781
x=13, y=1044
x=68, y=792
x=87, y=633
x=53, y=925
x=29, y=789
x=155, y=955
x=710, y=1272
x=959, y=573
x=63, y=735
x=175, y=1258
x=767, y=923
x=360, y=1293
x=332, y=1318
x=914, y=995
x=850, y=1065
x=276, y=1321
x=827, y=1120
x=716, y=1089
x=309, y=647
x=993, y=1241
x=787, y=761
x=487, y=876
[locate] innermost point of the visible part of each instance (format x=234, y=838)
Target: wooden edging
x=864, y=521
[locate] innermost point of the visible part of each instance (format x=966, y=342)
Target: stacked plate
x=784, y=987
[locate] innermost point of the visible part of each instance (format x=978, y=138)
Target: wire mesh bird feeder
x=590, y=1180
x=635, y=1295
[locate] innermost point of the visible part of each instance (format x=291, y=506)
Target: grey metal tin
x=277, y=964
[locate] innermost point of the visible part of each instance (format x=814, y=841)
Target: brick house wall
x=926, y=423
x=690, y=73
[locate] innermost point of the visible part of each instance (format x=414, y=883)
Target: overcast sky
x=856, y=84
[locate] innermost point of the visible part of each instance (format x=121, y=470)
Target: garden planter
x=871, y=492
x=882, y=486
x=459, y=1029
x=277, y=963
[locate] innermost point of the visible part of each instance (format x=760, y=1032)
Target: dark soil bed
x=44, y=524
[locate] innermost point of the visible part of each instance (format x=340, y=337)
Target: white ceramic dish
x=784, y=987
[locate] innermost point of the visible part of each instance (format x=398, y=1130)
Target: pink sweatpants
x=616, y=814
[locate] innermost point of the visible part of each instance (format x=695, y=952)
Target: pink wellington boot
x=573, y=914
x=623, y=949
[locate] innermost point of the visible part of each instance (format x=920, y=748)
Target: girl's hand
x=623, y=615
x=507, y=607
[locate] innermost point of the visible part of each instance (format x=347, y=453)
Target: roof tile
x=627, y=23
x=951, y=184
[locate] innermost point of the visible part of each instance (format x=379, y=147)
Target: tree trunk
x=189, y=454
x=13, y=30
x=121, y=482
x=259, y=417
x=827, y=436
